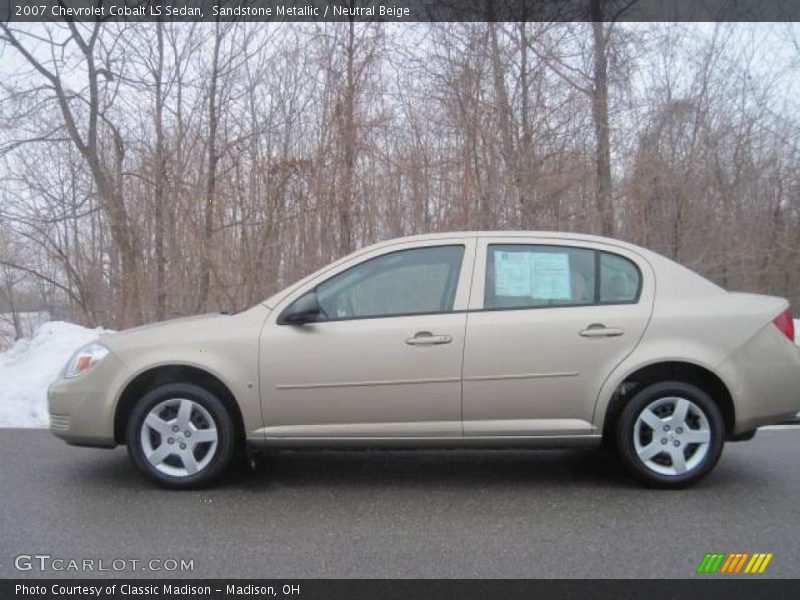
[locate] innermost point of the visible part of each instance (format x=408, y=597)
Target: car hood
x=200, y=333
x=207, y=318
x=192, y=330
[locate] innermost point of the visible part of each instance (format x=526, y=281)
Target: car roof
x=561, y=235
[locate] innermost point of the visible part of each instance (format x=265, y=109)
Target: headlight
x=85, y=359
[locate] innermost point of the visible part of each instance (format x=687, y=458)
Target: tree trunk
x=211, y=178
x=160, y=180
x=349, y=140
x=603, y=199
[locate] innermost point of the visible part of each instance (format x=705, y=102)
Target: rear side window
x=519, y=276
x=534, y=276
x=619, y=279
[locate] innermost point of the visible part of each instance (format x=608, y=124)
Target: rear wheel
x=670, y=434
x=181, y=436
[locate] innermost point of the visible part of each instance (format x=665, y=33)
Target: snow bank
x=797, y=331
x=28, y=368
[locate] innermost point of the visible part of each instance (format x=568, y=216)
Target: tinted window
x=533, y=276
x=421, y=280
x=619, y=279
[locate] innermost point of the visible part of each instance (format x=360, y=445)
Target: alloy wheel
x=672, y=435
x=179, y=437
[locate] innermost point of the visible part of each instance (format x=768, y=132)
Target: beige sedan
x=490, y=340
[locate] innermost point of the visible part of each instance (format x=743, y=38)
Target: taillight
x=785, y=323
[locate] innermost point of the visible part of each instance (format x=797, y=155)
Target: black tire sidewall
x=627, y=420
x=226, y=441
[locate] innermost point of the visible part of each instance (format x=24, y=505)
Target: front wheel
x=181, y=436
x=670, y=434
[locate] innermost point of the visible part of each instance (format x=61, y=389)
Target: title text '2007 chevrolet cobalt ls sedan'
x=507, y=339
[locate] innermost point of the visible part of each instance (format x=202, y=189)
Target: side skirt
x=426, y=443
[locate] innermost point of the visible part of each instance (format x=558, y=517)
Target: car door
x=385, y=358
x=549, y=321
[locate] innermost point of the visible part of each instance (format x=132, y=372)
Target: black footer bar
x=405, y=589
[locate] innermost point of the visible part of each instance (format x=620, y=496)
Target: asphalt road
x=401, y=514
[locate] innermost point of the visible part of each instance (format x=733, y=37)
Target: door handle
x=599, y=330
x=426, y=338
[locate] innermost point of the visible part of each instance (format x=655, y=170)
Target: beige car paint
x=359, y=378
x=696, y=322
x=530, y=371
x=82, y=409
x=358, y=382
x=223, y=345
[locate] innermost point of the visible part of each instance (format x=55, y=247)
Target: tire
x=650, y=441
x=194, y=455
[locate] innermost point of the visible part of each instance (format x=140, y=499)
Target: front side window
x=415, y=281
x=520, y=276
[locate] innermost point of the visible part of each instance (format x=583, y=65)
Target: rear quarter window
x=620, y=279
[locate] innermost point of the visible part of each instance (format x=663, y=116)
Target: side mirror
x=305, y=309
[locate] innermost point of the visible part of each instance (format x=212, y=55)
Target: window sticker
x=512, y=273
x=550, y=276
x=539, y=275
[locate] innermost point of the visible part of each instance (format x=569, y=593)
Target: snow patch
x=28, y=368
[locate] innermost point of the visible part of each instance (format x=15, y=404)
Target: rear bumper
x=764, y=380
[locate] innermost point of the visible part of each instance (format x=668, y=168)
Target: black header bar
x=400, y=10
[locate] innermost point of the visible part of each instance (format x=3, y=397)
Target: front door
x=384, y=358
x=550, y=321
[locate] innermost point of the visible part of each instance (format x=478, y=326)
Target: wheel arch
x=173, y=373
x=670, y=370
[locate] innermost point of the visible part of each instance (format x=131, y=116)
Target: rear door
x=549, y=320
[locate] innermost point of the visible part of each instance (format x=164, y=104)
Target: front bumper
x=82, y=409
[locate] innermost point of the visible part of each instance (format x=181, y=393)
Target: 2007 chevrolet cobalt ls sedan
x=508, y=339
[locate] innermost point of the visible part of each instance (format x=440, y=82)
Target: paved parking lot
x=401, y=514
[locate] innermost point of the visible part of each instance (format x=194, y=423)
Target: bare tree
x=106, y=170
x=155, y=170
